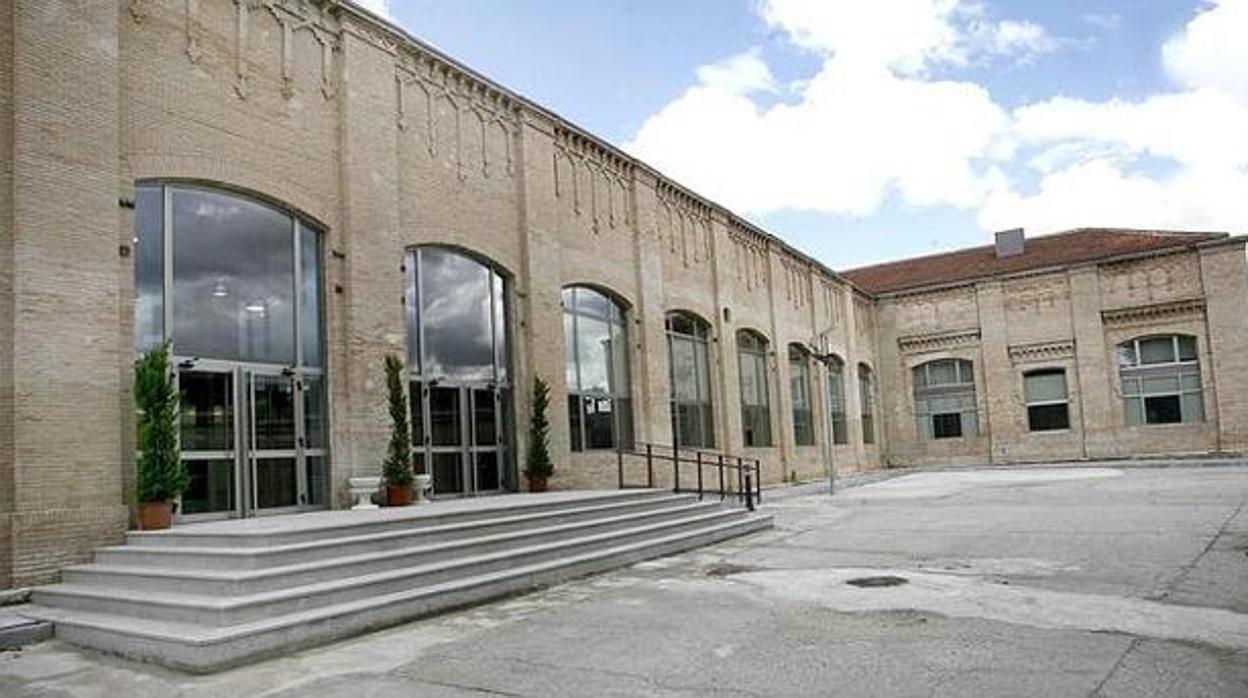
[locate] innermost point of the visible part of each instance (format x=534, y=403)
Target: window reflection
x=693, y=423
x=233, y=264
x=149, y=265
x=599, y=411
x=457, y=316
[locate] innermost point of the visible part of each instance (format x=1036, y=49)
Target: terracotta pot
x=537, y=483
x=155, y=516
x=398, y=495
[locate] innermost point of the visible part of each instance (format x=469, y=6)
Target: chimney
x=1009, y=243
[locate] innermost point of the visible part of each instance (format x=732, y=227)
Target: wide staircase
x=208, y=596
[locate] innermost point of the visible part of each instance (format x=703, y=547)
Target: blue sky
x=955, y=118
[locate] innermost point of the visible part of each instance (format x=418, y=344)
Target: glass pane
x=417, y=402
x=918, y=375
x=1157, y=350
x=234, y=279
x=1045, y=386
x=707, y=427
x=941, y=373
x=970, y=423
x=1133, y=408
x=750, y=392
x=684, y=370
x=1163, y=409
x=946, y=426
x=1130, y=385
x=487, y=471
x=448, y=474
x=318, y=491
x=502, y=346
x=310, y=296
x=444, y=428
x=591, y=302
x=149, y=265
x=207, y=411
x=599, y=423
x=1193, y=407
x=274, y=418
x=485, y=418
x=314, y=411
x=703, y=370
x=1187, y=348
x=1048, y=417
x=276, y=483
x=681, y=324
x=966, y=371
x=868, y=429
x=456, y=315
x=569, y=352
x=1160, y=384
x=619, y=360
x=211, y=487
x=798, y=385
x=574, y=422
x=593, y=346
x=1190, y=381
x=1126, y=354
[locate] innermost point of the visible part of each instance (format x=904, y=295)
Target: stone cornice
x=1042, y=351
x=936, y=341
x=1155, y=312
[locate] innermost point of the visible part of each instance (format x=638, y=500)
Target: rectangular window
x=1048, y=402
x=1048, y=417
x=947, y=426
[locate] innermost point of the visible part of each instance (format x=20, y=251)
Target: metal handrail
x=748, y=487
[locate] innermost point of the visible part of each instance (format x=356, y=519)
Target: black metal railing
x=733, y=476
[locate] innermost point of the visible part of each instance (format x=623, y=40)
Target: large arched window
x=944, y=399
x=1160, y=378
x=866, y=400
x=755, y=397
x=458, y=357
x=799, y=389
x=233, y=283
x=596, y=344
x=836, y=400
x=693, y=423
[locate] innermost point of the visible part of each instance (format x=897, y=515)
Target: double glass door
x=250, y=440
x=460, y=436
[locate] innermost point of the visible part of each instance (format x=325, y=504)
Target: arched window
x=1160, y=378
x=755, y=396
x=799, y=387
x=836, y=400
x=1048, y=401
x=596, y=341
x=944, y=399
x=866, y=400
x=458, y=360
x=693, y=422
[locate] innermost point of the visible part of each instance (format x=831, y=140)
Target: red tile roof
x=1070, y=247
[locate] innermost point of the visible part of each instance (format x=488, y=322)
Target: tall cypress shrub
x=398, y=465
x=538, y=463
x=161, y=474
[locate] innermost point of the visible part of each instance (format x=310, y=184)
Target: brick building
x=290, y=190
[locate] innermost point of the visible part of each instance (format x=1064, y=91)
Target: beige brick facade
x=386, y=144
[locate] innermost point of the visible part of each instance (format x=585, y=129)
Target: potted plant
x=538, y=467
x=161, y=475
x=398, y=466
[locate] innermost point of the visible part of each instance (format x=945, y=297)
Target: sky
x=869, y=131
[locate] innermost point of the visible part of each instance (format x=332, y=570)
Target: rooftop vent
x=1009, y=243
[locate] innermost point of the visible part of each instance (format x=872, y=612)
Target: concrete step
x=269, y=532
x=214, y=552
x=214, y=610
x=199, y=648
x=229, y=579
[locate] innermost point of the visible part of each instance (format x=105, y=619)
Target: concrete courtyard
x=1032, y=581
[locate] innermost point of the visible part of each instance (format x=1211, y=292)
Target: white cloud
x=1088, y=150
x=872, y=123
x=381, y=8
x=1213, y=49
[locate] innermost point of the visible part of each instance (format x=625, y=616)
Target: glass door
x=209, y=429
x=273, y=476
x=460, y=433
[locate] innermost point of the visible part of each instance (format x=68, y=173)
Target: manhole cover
x=724, y=569
x=882, y=581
